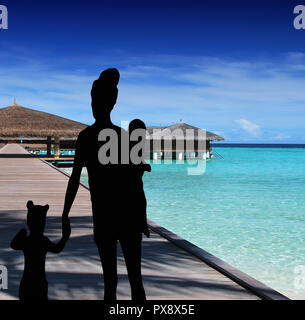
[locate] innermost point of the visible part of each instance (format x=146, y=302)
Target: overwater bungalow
x=40, y=130
x=180, y=142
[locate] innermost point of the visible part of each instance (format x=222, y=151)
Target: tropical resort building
x=38, y=130
x=180, y=142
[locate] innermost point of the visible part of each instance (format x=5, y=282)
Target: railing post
x=56, y=146
x=49, y=141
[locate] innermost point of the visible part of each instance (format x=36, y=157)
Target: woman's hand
x=147, y=232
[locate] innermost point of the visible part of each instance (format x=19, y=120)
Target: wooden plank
x=76, y=272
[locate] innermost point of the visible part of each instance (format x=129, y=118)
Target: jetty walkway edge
x=173, y=268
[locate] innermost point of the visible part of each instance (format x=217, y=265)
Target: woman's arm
x=58, y=247
x=74, y=180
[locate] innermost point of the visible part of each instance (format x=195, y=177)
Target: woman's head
x=104, y=93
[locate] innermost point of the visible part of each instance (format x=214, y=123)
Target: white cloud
x=281, y=136
x=220, y=133
x=208, y=92
x=253, y=129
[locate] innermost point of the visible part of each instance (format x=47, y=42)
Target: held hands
x=66, y=228
x=22, y=233
x=146, y=232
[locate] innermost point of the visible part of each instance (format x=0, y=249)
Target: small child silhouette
x=34, y=285
x=137, y=130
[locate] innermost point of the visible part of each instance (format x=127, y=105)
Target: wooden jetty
x=172, y=267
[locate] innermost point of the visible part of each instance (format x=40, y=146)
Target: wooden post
x=162, y=149
x=208, y=144
x=209, y=149
x=49, y=141
x=56, y=147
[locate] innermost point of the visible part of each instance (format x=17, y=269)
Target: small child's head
x=137, y=136
x=136, y=124
x=140, y=126
x=36, y=217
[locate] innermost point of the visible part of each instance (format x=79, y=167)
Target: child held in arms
x=34, y=285
x=137, y=131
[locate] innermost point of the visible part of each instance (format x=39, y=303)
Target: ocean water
x=247, y=209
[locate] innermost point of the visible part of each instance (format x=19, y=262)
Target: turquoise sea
x=247, y=209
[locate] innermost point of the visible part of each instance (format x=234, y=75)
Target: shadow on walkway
x=76, y=273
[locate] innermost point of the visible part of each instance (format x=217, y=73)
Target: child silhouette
x=34, y=285
x=137, y=130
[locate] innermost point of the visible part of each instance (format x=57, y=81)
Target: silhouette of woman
x=116, y=216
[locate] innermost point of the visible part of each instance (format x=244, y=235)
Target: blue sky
x=236, y=68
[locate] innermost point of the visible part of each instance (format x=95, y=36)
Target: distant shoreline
x=258, y=145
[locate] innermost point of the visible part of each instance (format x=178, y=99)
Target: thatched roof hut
x=179, y=140
x=16, y=121
x=181, y=130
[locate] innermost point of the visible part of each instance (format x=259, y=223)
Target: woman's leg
x=108, y=254
x=131, y=248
